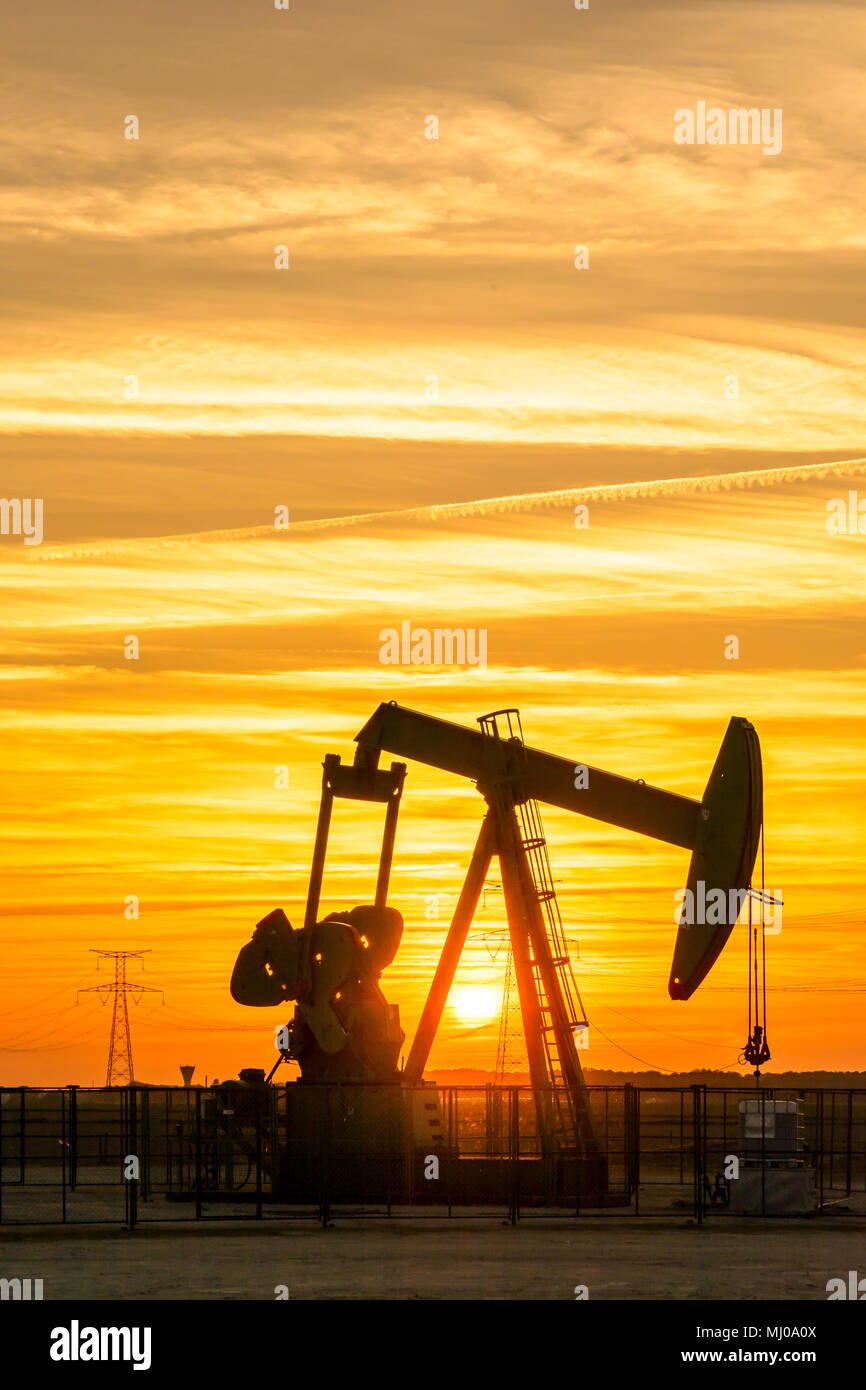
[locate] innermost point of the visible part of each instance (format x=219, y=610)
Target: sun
x=475, y=1003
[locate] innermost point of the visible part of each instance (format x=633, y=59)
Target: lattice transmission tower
x=511, y=1052
x=119, y=1072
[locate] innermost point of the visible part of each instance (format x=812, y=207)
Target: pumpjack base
x=388, y=1144
x=462, y=1182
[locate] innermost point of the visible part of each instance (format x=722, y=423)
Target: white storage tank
x=774, y=1178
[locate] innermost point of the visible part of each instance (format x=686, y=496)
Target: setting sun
x=476, y=1003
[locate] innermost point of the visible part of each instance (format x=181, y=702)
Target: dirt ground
x=615, y=1257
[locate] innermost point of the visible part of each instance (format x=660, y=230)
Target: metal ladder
x=535, y=844
x=540, y=884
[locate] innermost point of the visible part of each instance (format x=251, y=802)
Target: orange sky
x=410, y=260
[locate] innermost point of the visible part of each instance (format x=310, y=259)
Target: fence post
x=488, y=1117
x=764, y=1152
x=848, y=1144
x=325, y=1114
x=636, y=1134
x=819, y=1137
x=832, y=1132
x=198, y=1153
x=628, y=1138
x=578, y=1167
x=259, y=1111
x=451, y=1144
x=73, y=1136
x=131, y=1146
x=697, y=1150
x=705, y=1126
x=63, y=1156
x=145, y=1145
x=606, y=1120
x=304, y=1165
x=22, y=1113
x=389, y=1141
x=514, y=1148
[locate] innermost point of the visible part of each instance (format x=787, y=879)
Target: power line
x=680, y=1037
x=35, y=1030
x=43, y=1000
x=69, y=1042
x=633, y=1055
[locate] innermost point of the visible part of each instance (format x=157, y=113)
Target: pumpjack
x=343, y=1029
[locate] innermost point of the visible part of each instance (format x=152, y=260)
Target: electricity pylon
x=511, y=1052
x=119, y=1071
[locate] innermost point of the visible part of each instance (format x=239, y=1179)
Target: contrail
x=494, y=506
x=603, y=492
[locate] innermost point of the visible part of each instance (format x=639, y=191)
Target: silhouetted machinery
x=343, y=1029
